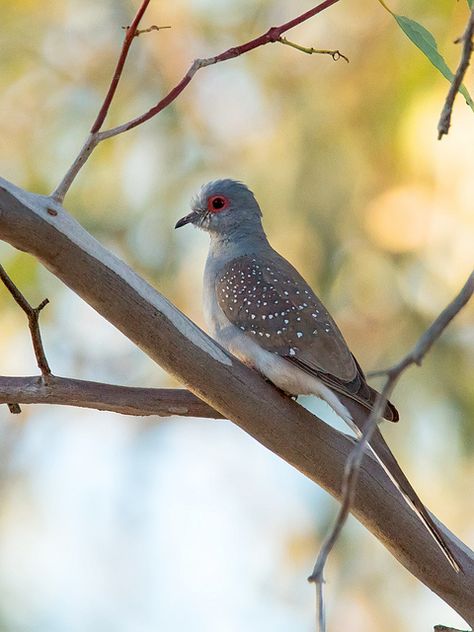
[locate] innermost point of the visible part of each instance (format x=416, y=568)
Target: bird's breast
x=217, y=323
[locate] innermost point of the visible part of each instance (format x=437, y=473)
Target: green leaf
x=425, y=41
x=469, y=3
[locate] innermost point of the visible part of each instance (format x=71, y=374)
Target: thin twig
x=127, y=42
x=320, y=610
x=335, y=54
x=80, y=160
x=272, y=35
x=376, y=373
x=92, y=141
x=351, y=474
x=445, y=118
x=351, y=471
x=153, y=27
x=32, y=314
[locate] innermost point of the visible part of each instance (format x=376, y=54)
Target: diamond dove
x=261, y=309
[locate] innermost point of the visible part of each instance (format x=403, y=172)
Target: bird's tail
x=389, y=463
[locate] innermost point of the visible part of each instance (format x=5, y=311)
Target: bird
x=259, y=308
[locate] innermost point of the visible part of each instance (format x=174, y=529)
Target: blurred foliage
x=356, y=191
x=425, y=41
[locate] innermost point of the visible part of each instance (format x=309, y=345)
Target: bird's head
x=223, y=207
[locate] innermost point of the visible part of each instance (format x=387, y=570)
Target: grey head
x=225, y=208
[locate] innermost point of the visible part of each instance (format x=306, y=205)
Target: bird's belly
x=214, y=317
x=283, y=374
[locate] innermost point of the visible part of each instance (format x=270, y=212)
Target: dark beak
x=188, y=219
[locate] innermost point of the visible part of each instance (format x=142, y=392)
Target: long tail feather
x=389, y=463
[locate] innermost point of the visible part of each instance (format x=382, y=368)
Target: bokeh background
x=120, y=524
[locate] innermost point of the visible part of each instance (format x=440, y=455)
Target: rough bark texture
x=277, y=422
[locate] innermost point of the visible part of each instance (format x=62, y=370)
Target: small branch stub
x=153, y=27
x=335, y=54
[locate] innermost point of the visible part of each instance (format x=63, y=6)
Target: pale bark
x=127, y=400
x=235, y=391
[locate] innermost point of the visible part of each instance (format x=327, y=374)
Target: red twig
x=272, y=35
x=127, y=42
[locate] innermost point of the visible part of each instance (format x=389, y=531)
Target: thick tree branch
x=96, y=136
x=237, y=392
x=127, y=400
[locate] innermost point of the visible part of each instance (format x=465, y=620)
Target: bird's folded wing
x=270, y=302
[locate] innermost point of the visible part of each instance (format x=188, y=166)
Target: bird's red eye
x=217, y=203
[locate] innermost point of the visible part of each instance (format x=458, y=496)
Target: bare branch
x=272, y=35
x=335, y=54
x=436, y=329
x=424, y=344
x=126, y=400
x=320, y=609
x=351, y=472
x=32, y=314
x=127, y=42
x=93, y=140
x=80, y=160
x=445, y=118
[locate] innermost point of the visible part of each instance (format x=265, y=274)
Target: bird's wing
x=270, y=302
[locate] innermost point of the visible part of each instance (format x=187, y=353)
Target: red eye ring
x=217, y=203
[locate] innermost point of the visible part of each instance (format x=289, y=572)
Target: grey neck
x=239, y=241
